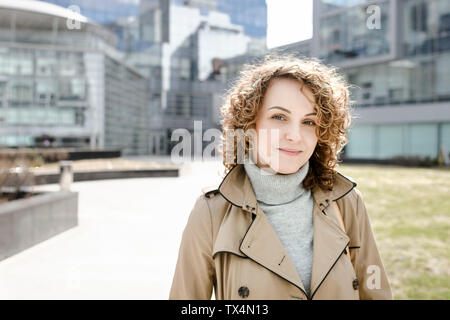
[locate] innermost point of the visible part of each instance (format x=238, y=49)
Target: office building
x=62, y=83
x=396, y=54
x=174, y=44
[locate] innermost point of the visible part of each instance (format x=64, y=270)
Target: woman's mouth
x=290, y=152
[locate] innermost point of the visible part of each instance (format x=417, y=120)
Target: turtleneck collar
x=276, y=189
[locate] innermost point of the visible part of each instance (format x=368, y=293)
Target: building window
x=72, y=89
x=419, y=16
x=3, y=94
x=80, y=117
x=46, y=91
x=366, y=92
x=182, y=106
x=46, y=66
x=395, y=94
x=20, y=92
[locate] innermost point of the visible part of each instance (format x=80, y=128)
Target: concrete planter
x=26, y=222
x=40, y=179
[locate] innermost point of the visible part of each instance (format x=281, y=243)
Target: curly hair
x=332, y=104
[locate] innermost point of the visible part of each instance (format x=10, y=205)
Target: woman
x=271, y=229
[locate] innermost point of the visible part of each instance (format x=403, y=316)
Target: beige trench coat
x=230, y=246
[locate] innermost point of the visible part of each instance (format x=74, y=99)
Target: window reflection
x=412, y=80
x=340, y=40
x=427, y=26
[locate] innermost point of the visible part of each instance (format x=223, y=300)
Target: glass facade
x=53, y=90
x=419, y=72
x=174, y=44
x=404, y=65
x=126, y=115
x=42, y=87
x=426, y=26
x=394, y=140
x=62, y=86
x=412, y=80
x=103, y=12
x=340, y=40
x=328, y=5
x=251, y=14
x=189, y=89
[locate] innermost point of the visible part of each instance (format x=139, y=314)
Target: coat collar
x=256, y=239
x=236, y=189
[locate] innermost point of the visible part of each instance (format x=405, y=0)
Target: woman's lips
x=288, y=152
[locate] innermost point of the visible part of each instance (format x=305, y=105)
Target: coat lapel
x=260, y=241
x=262, y=244
x=329, y=242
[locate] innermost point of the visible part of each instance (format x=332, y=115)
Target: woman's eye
x=281, y=117
x=310, y=123
x=277, y=116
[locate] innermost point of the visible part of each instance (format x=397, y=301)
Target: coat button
x=243, y=292
x=355, y=284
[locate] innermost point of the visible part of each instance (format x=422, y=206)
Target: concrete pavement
x=125, y=246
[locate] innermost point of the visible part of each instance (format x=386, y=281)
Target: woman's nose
x=293, y=134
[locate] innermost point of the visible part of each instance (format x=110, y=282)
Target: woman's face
x=285, y=121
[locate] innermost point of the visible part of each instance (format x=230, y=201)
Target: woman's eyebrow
x=284, y=109
x=278, y=107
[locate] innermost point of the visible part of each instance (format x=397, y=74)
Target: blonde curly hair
x=332, y=104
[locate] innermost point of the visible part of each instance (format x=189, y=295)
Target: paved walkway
x=125, y=246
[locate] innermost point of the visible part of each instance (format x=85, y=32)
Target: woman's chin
x=287, y=170
x=284, y=168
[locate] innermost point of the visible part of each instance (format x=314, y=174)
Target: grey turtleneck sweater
x=289, y=208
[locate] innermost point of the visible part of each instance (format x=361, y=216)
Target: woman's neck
x=276, y=189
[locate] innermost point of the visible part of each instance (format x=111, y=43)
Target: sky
x=288, y=21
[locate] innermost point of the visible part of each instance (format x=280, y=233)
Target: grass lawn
x=409, y=209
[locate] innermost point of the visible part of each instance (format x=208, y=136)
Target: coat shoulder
x=352, y=197
x=341, y=176
x=217, y=204
x=210, y=191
